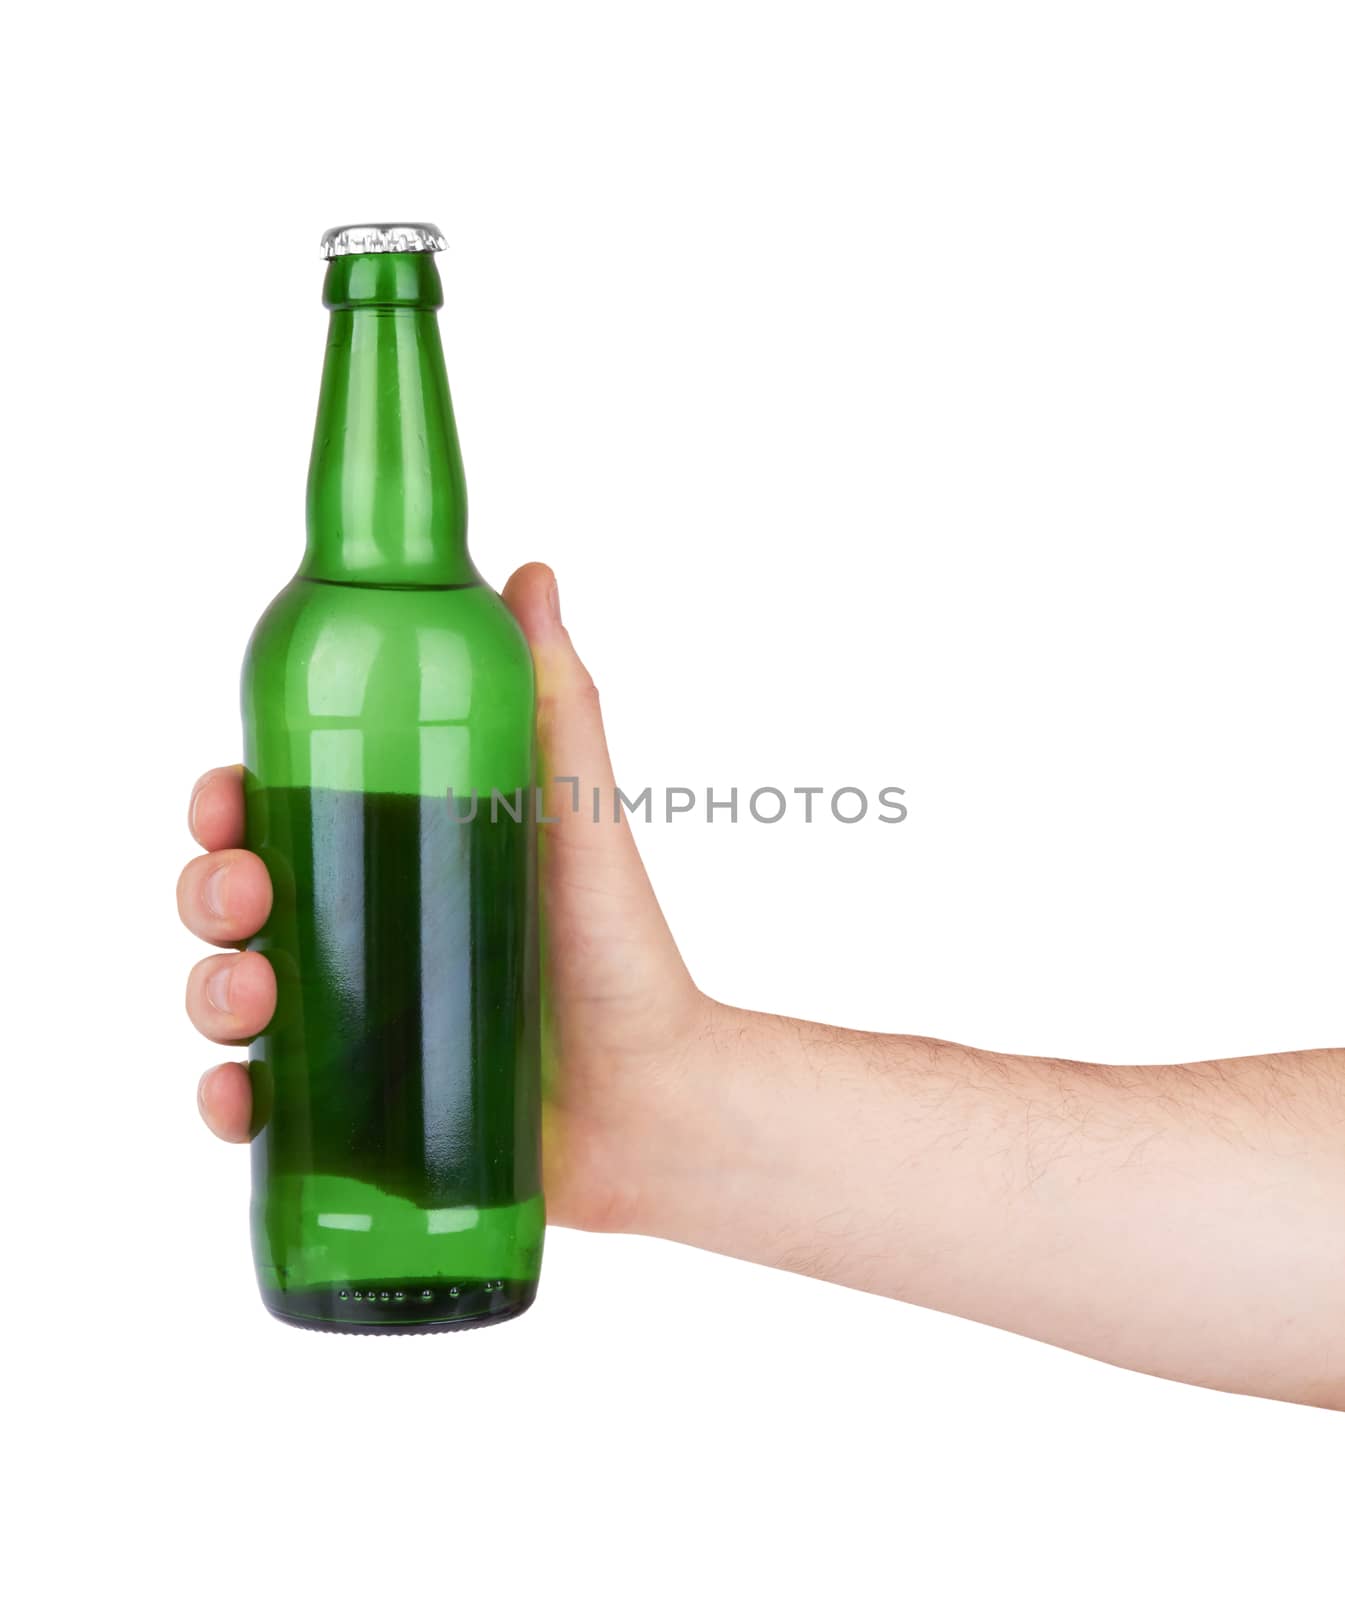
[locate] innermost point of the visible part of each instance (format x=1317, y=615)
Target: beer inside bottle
x=388, y=734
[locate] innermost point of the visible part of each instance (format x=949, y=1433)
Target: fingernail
x=214, y=891
x=191, y=809
x=553, y=600
x=217, y=986
x=200, y=1092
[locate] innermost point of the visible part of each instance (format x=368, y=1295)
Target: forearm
x=1187, y=1221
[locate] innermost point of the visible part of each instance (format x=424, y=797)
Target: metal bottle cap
x=376, y=238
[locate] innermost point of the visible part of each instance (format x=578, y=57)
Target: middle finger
x=224, y=897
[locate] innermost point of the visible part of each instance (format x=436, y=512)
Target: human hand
x=623, y=1013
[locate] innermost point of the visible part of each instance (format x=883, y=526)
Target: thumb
x=570, y=735
x=598, y=897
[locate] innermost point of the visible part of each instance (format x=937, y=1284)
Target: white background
x=941, y=395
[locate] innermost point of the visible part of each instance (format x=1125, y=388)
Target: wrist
x=691, y=1146
x=736, y=1145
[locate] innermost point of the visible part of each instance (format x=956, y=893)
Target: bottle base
x=436, y=1307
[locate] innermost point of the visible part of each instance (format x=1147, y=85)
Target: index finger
x=215, y=815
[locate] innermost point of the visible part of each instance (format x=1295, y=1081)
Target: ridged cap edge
x=379, y=238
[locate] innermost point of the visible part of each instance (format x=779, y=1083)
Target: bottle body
x=396, y=1168
x=387, y=696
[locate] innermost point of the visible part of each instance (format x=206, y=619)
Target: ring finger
x=231, y=997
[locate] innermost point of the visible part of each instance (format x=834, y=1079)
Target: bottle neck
x=387, y=501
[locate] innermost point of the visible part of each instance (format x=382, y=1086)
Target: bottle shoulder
x=343, y=651
x=312, y=613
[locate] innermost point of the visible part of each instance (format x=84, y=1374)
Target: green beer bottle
x=388, y=737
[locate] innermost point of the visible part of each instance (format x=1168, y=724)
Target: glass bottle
x=389, y=754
